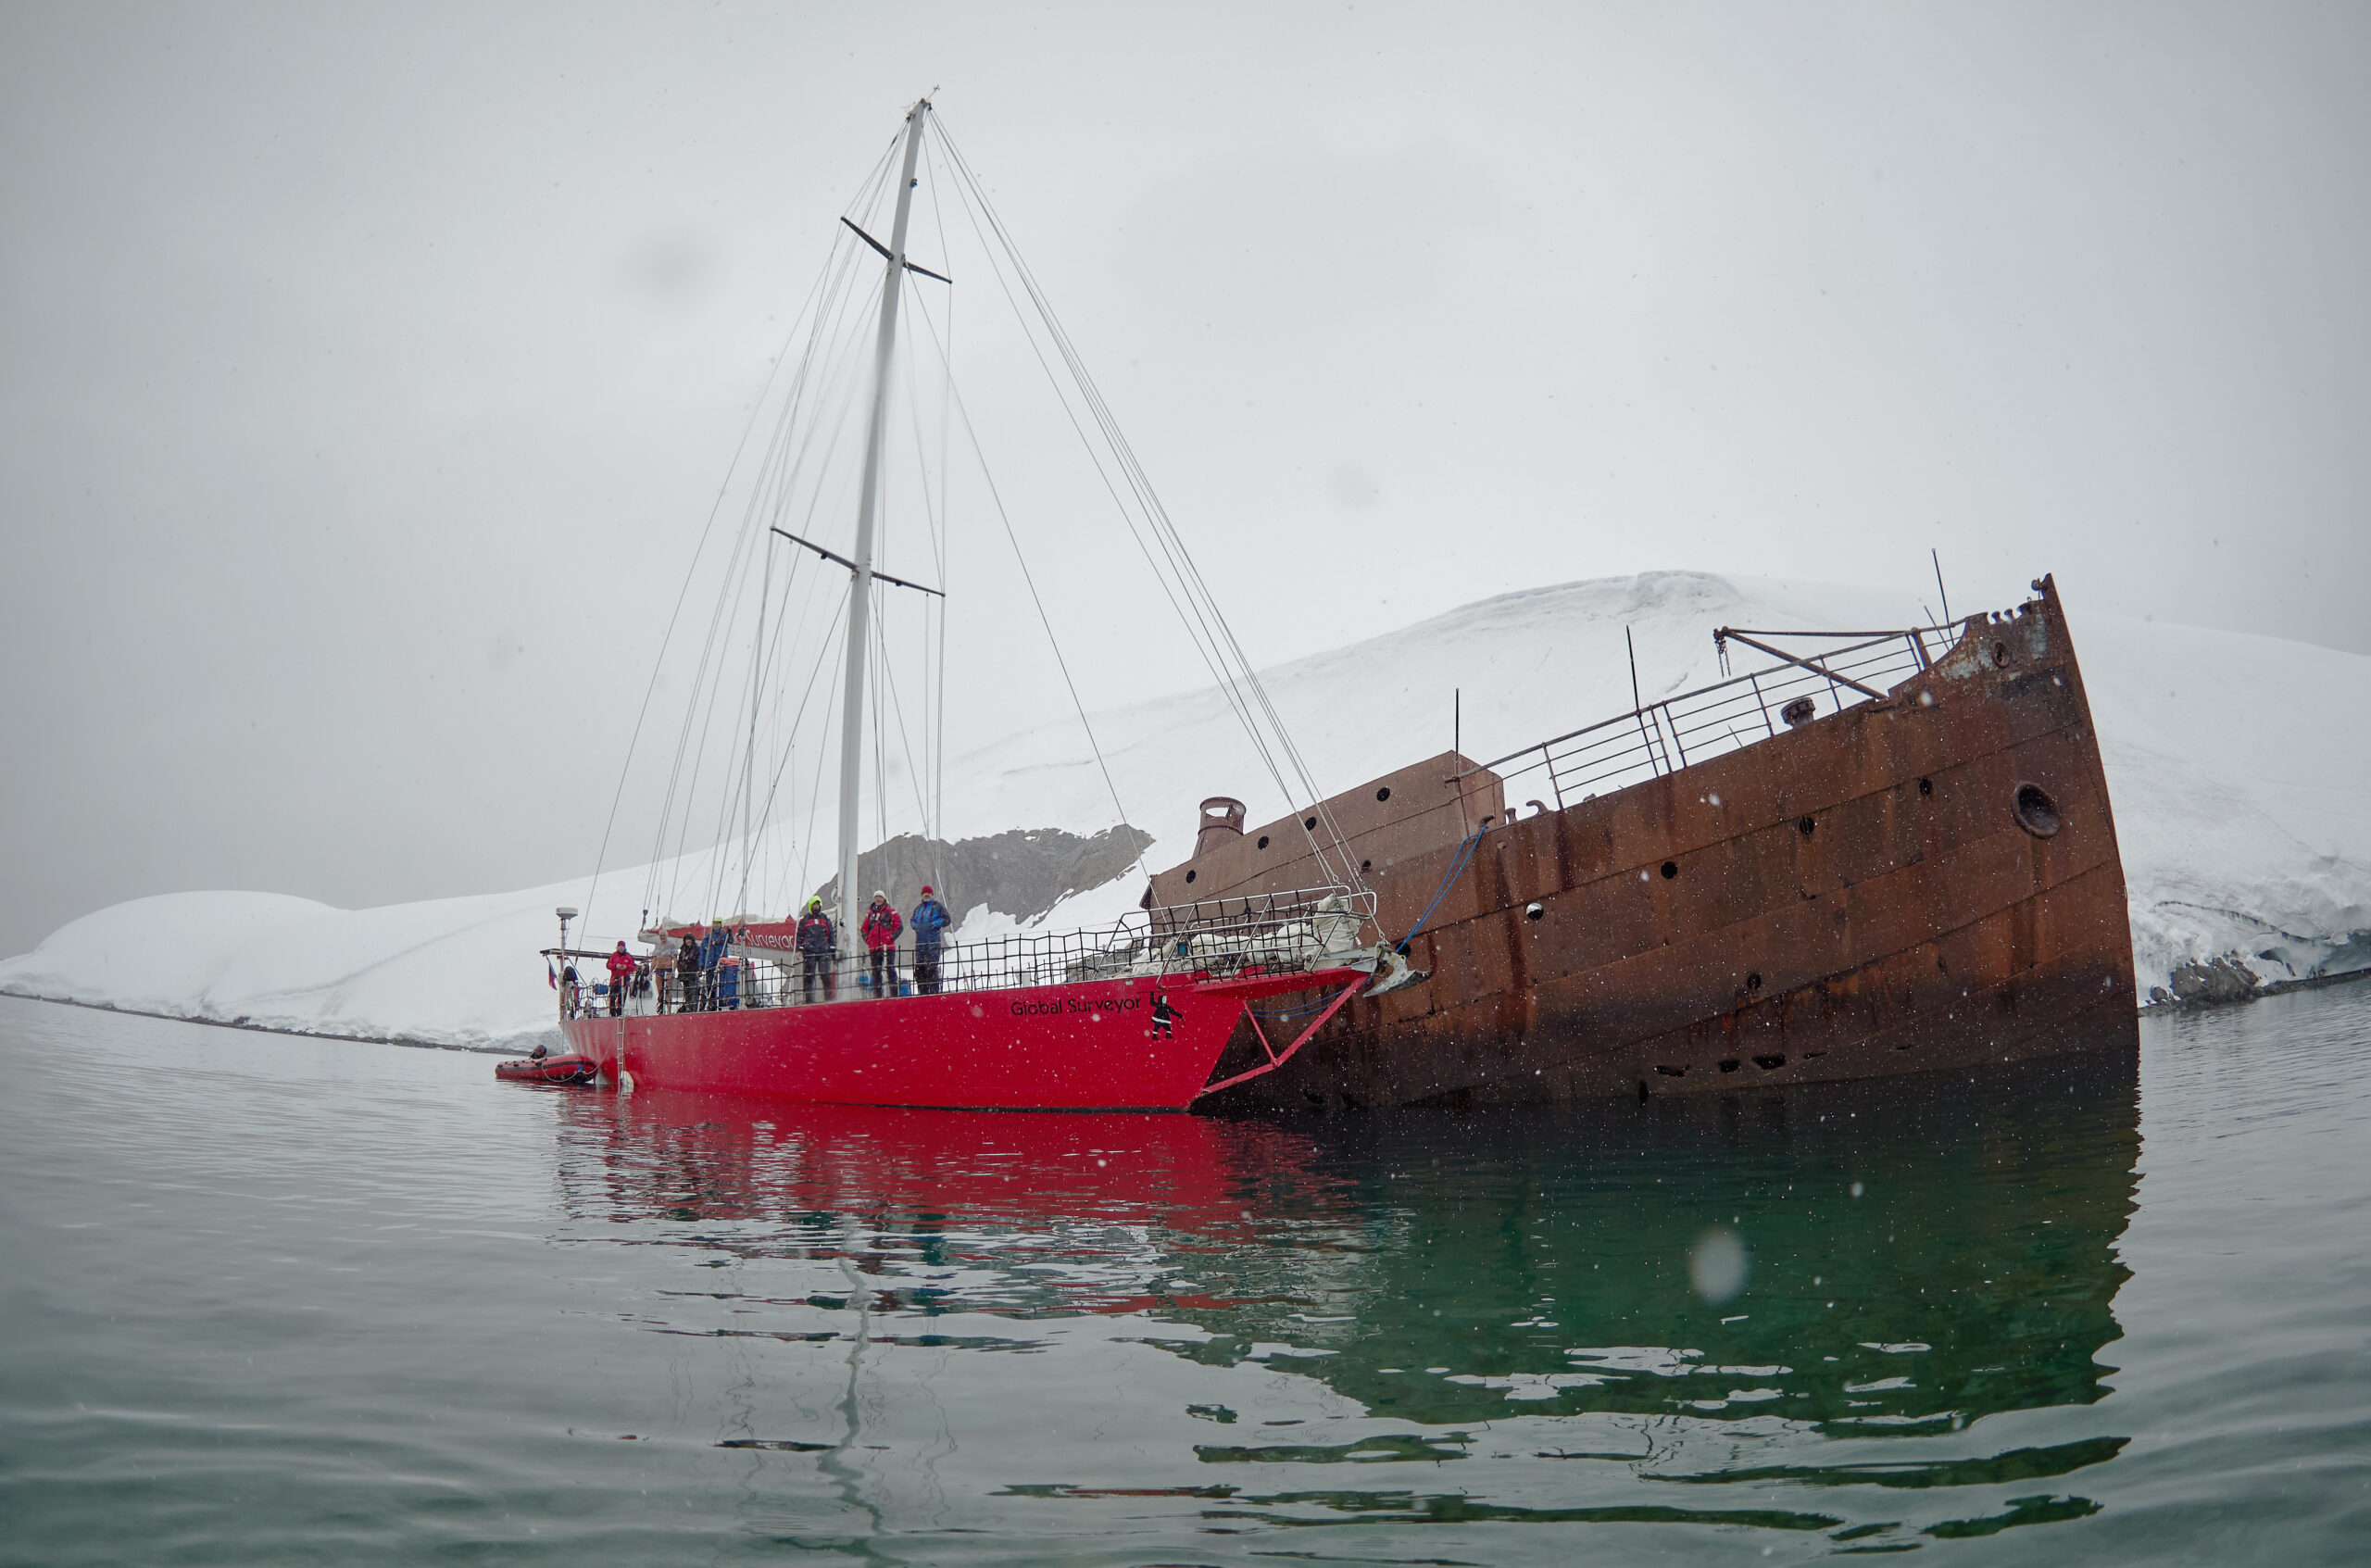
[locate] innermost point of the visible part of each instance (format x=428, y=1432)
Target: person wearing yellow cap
x=816, y=945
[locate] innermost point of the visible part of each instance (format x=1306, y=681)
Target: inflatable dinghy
x=548, y=1070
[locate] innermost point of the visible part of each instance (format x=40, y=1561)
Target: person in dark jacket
x=882, y=927
x=687, y=970
x=816, y=945
x=622, y=968
x=929, y=921
x=712, y=956
x=1163, y=1010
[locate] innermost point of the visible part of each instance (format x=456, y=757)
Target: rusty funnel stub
x=1221, y=821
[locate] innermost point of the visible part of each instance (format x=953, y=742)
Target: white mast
x=860, y=581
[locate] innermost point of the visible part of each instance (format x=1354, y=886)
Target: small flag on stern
x=550, y=974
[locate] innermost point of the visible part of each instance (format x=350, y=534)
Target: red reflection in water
x=724, y=1158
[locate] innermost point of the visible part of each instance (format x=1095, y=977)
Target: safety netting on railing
x=1264, y=933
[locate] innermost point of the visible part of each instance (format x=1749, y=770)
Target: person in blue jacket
x=929, y=924
x=711, y=957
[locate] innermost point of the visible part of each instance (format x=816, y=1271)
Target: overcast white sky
x=365, y=372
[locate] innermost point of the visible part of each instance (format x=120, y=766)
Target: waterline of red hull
x=1089, y=1045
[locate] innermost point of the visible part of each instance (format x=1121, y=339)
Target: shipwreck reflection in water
x=1914, y=1253
x=1812, y=1271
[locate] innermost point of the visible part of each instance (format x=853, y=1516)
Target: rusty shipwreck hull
x=1924, y=880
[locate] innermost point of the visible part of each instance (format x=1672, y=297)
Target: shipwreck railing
x=1263, y=934
x=1665, y=736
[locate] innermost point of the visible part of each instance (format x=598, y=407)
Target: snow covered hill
x=2239, y=766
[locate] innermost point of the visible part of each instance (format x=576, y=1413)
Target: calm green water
x=275, y=1300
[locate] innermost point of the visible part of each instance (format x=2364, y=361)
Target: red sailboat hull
x=1085, y=1045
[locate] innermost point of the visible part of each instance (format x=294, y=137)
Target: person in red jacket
x=881, y=927
x=622, y=968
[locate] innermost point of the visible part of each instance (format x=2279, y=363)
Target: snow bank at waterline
x=2239, y=766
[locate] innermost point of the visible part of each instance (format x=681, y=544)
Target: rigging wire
x=789, y=753
x=1199, y=597
x=771, y=659
x=765, y=814
x=691, y=572
x=940, y=527
x=802, y=462
x=1238, y=681
x=927, y=778
x=878, y=654
x=1185, y=615
x=815, y=797
x=710, y=647
x=749, y=752
x=1021, y=560
x=787, y=471
x=867, y=194
x=728, y=610
x=896, y=707
x=782, y=467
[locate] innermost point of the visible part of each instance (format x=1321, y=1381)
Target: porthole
x=1533, y=911
x=1754, y=980
x=1263, y=841
x=2035, y=811
x=1191, y=875
x=1365, y=866
x=1383, y=794
x=1671, y=870
x=1999, y=655
x=1309, y=823
x=1926, y=786
x=1804, y=825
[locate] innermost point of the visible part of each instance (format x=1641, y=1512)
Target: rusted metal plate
x=1853, y=898
x=1390, y=821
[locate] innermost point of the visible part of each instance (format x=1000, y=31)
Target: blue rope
x=1456, y=870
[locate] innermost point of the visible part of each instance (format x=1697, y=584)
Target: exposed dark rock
x=2214, y=981
x=1022, y=872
